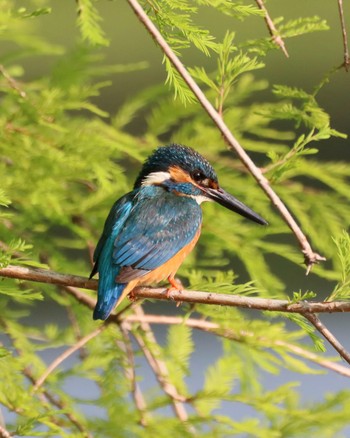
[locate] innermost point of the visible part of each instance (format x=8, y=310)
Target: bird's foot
x=131, y=295
x=175, y=286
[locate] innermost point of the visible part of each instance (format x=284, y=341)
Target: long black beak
x=226, y=200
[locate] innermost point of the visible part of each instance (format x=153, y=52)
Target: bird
x=150, y=230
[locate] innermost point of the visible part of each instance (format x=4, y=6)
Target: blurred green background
x=311, y=56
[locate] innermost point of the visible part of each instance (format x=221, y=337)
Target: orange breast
x=162, y=272
x=171, y=266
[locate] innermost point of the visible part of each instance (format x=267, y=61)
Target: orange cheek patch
x=179, y=175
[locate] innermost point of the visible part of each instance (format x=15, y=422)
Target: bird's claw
x=175, y=286
x=132, y=297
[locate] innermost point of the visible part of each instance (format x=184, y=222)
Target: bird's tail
x=108, y=294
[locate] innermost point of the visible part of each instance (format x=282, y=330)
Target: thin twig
x=310, y=256
x=345, y=37
x=54, y=400
x=336, y=367
x=12, y=82
x=76, y=330
x=272, y=28
x=62, y=357
x=214, y=328
x=80, y=296
x=131, y=375
x=316, y=322
x=191, y=296
x=159, y=367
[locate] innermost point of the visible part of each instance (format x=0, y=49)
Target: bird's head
x=183, y=171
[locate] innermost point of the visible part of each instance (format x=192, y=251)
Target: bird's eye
x=198, y=176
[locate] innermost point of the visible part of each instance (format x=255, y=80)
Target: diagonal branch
x=4, y=433
x=272, y=28
x=62, y=357
x=214, y=328
x=130, y=374
x=159, y=367
x=327, y=334
x=53, y=399
x=310, y=256
x=346, y=63
x=12, y=82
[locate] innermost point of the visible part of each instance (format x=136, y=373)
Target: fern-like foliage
x=63, y=163
x=88, y=20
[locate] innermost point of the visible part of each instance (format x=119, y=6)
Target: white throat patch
x=201, y=198
x=155, y=178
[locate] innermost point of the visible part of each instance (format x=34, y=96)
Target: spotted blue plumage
x=184, y=157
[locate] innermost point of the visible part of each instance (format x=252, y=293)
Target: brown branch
x=45, y=395
x=4, y=433
x=310, y=256
x=60, y=405
x=316, y=322
x=214, y=328
x=47, y=276
x=130, y=374
x=345, y=37
x=12, y=82
x=307, y=309
x=159, y=367
x=62, y=357
x=272, y=28
x=190, y=296
x=76, y=329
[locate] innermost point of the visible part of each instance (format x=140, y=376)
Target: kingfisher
x=150, y=230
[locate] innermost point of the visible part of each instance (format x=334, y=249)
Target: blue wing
x=158, y=227
x=108, y=289
x=144, y=230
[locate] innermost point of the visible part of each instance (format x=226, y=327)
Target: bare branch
x=310, y=256
x=214, y=328
x=62, y=357
x=4, y=433
x=46, y=276
x=316, y=322
x=345, y=37
x=338, y=368
x=46, y=396
x=129, y=371
x=80, y=296
x=273, y=305
x=12, y=82
x=159, y=367
x=272, y=28
x=190, y=296
x=54, y=400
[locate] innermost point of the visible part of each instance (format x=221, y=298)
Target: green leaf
x=88, y=22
